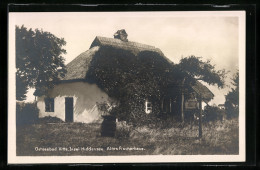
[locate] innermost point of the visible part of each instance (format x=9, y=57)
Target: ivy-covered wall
x=132, y=79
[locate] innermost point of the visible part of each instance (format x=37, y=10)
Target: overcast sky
x=209, y=35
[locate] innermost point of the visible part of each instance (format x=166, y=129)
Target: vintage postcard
x=126, y=87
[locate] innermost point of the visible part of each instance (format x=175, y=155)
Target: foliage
x=26, y=113
x=213, y=113
x=123, y=130
x=205, y=71
x=106, y=107
x=39, y=60
x=21, y=86
x=232, y=98
x=196, y=69
x=233, y=95
x=131, y=79
x=50, y=119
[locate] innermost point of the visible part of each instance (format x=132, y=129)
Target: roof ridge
x=128, y=42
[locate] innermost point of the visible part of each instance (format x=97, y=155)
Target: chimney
x=121, y=34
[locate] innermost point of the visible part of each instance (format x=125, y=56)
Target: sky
x=209, y=35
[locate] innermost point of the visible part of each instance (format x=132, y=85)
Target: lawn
x=84, y=139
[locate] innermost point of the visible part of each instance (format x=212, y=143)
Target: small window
x=148, y=107
x=49, y=104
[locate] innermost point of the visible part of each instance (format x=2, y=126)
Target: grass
x=219, y=138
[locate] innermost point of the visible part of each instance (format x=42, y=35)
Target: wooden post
x=182, y=106
x=170, y=105
x=200, y=118
x=162, y=104
x=182, y=101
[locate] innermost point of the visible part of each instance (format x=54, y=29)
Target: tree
x=21, y=87
x=39, y=61
x=201, y=70
x=232, y=98
x=193, y=68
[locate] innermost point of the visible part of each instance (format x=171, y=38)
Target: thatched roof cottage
x=137, y=76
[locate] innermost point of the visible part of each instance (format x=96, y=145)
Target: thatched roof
x=77, y=68
x=134, y=47
x=203, y=91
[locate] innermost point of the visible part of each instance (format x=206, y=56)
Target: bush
x=26, y=113
x=50, y=119
x=232, y=110
x=213, y=113
x=123, y=130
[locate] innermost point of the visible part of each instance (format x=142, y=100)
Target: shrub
x=26, y=113
x=123, y=130
x=232, y=110
x=232, y=99
x=50, y=119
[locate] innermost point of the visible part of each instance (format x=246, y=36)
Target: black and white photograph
x=126, y=87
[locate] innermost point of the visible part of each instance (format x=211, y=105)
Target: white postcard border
x=13, y=159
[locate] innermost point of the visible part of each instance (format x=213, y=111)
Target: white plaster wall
x=85, y=96
x=59, y=107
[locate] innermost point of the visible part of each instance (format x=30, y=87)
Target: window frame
x=49, y=104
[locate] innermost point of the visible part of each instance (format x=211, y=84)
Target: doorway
x=69, y=109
